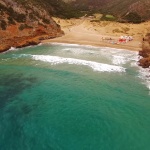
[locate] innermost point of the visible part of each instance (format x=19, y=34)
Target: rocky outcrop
x=13, y=38
x=145, y=53
x=24, y=24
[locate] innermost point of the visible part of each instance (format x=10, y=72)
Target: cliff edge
x=145, y=53
x=24, y=23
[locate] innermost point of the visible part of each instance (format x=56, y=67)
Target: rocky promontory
x=145, y=53
x=12, y=37
x=24, y=23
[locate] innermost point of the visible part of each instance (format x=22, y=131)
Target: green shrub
x=31, y=16
x=2, y=7
x=133, y=17
x=108, y=18
x=3, y=24
x=20, y=17
x=11, y=21
x=10, y=11
x=24, y=26
x=46, y=21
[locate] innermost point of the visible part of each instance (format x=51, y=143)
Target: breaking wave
x=144, y=74
x=94, y=65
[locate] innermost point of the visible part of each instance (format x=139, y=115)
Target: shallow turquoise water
x=71, y=97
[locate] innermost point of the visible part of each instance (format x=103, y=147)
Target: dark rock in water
x=143, y=53
x=144, y=62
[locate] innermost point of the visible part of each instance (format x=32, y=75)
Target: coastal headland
x=23, y=24
x=13, y=37
x=145, y=53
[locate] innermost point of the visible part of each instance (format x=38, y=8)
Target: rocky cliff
x=145, y=53
x=25, y=23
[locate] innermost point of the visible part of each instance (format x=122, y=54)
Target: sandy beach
x=86, y=32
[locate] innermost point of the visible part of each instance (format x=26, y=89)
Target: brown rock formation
x=145, y=53
x=21, y=41
x=24, y=24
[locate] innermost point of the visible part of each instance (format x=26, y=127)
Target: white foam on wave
x=63, y=44
x=144, y=74
x=78, y=51
x=74, y=45
x=116, y=56
x=94, y=65
x=118, y=60
x=124, y=58
x=16, y=56
x=6, y=59
x=120, y=56
x=40, y=44
x=12, y=49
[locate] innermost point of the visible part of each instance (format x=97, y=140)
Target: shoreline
x=84, y=32
x=87, y=43
x=23, y=42
x=84, y=43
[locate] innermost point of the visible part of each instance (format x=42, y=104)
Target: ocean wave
x=124, y=58
x=116, y=56
x=16, y=56
x=74, y=45
x=78, y=51
x=119, y=56
x=144, y=74
x=12, y=49
x=94, y=65
x=62, y=44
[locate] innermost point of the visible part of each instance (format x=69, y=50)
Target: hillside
x=124, y=8
x=126, y=11
x=25, y=23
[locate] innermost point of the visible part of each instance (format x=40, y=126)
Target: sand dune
x=83, y=31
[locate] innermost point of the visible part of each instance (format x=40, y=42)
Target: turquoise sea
x=73, y=97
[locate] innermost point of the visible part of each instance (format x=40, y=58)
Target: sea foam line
x=117, y=56
x=74, y=45
x=62, y=44
x=144, y=74
x=94, y=65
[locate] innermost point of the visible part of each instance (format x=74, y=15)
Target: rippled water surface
x=72, y=97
